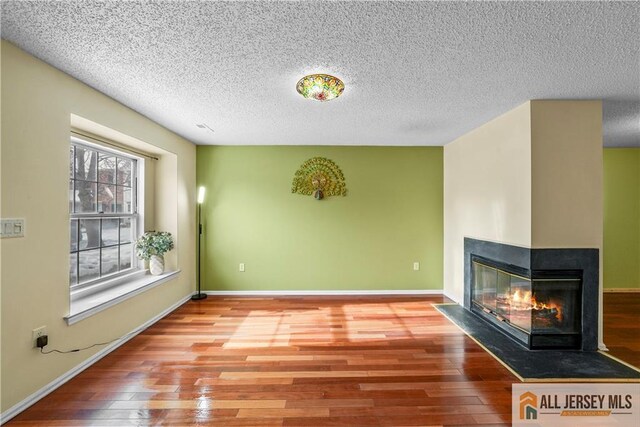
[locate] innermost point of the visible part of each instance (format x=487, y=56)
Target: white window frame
x=107, y=281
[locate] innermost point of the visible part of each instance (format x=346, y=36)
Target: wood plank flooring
x=307, y=361
x=622, y=326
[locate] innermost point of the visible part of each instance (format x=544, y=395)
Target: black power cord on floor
x=42, y=341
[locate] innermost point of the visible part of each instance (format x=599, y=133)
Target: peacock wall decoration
x=319, y=177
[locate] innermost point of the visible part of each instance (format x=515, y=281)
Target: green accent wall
x=622, y=218
x=391, y=217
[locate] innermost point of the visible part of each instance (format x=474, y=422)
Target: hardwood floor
x=307, y=361
x=622, y=326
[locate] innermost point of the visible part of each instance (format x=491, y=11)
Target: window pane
x=125, y=256
x=124, y=172
x=89, y=233
x=73, y=229
x=86, y=197
x=72, y=154
x=106, y=198
x=86, y=164
x=125, y=230
x=101, y=183
x=123, y=199
x=89, y=265
x=107, y=169
x=109, y=260
x=109, y=232
x=73, y=269
x=71, y=196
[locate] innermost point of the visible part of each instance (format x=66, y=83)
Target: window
x=103, y=213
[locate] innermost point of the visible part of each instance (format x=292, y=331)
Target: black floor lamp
x=199, y=295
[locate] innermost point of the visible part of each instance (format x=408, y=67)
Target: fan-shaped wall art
x=319, y=177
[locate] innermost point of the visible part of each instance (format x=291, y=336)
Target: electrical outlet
x=38, y=332
x=241, y=267
x=416, y=266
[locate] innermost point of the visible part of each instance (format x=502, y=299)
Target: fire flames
x=525, y=301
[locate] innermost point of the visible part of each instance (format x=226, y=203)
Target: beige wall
x=532, y=178
x=37, y=103
x=487, y=190
x=567, y=174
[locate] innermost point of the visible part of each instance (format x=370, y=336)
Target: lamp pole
x=199, y=295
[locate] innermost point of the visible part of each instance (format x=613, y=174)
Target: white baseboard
x=33, y=398
x=325, y=293
x=621, y=290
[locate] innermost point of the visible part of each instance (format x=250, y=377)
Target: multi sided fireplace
x=541, y=297
x=540, y=308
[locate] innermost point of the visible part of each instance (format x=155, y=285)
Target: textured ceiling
x=416, y=73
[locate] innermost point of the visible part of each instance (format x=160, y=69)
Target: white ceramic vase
x=156, y=265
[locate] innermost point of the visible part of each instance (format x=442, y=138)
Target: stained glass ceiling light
x=321, y=87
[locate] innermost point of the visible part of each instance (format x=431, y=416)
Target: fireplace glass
x=541, y=309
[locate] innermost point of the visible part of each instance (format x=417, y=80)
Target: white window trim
x=85, y=303
x=90, y=298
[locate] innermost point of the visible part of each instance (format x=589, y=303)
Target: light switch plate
x=12, y=227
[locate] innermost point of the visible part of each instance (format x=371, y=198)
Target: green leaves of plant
x=153, y=243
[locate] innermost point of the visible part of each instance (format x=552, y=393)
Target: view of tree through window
x=103, y=213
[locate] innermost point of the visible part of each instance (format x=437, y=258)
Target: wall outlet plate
x=416, y=266
x=38, y=332
x=241, y=267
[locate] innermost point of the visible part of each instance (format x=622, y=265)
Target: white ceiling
x=416, y=73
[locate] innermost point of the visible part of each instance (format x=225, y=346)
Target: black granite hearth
x=538, y=364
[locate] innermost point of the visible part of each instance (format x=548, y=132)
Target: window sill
x=87, y=304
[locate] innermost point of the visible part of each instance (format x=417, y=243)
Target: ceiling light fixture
x=321, y=87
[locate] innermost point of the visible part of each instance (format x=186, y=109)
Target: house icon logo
x=528, y=406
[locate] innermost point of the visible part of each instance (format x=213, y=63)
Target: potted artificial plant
x=152, y=246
